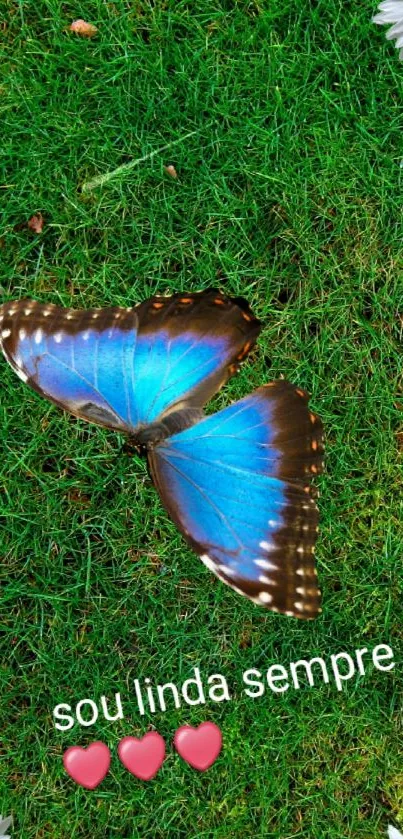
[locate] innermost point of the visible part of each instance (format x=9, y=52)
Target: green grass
x=290, y=194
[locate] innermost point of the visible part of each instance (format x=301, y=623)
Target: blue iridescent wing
x=124, y=368
x=237, y=484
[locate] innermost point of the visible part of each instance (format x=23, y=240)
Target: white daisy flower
x=4, y=824
x=392, y=832
x=391, y=11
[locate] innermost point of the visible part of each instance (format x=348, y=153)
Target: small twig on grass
x=126, y=167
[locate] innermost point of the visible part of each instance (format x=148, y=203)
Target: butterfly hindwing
x=124, y=368
x=237, y=485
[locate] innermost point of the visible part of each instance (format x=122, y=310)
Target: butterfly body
x=236, y=483
x=149, y=436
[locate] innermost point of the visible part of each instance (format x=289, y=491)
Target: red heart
x=142, y=756
x=88, y=766
x=199, y=746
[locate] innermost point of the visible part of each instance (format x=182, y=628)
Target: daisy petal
x=391, y=11
x=392, y=6
x=395, y=31
x=4, y=824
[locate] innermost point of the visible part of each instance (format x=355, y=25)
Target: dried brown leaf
x=81, y=27
x=170, y=170
x=36, y=223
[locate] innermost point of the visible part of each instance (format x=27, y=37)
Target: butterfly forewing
x=125, y=368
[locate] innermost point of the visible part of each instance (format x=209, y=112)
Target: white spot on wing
x=228, y=572
x=264, y=597
x=6, y=333
x=38, y=336
x=22, y=375
x=58, y=337
x=266, y=565
x=267, y=546
x=238, y=590
x=208, y=562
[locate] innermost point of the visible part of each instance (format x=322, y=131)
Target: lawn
x=284, y=124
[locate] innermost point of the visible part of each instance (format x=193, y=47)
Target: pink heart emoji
x=200, y=746
x=88, y=766
x=142, y=756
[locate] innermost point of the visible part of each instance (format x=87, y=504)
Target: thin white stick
x=126, y=167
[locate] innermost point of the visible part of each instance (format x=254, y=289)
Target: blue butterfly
x=236, y=483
